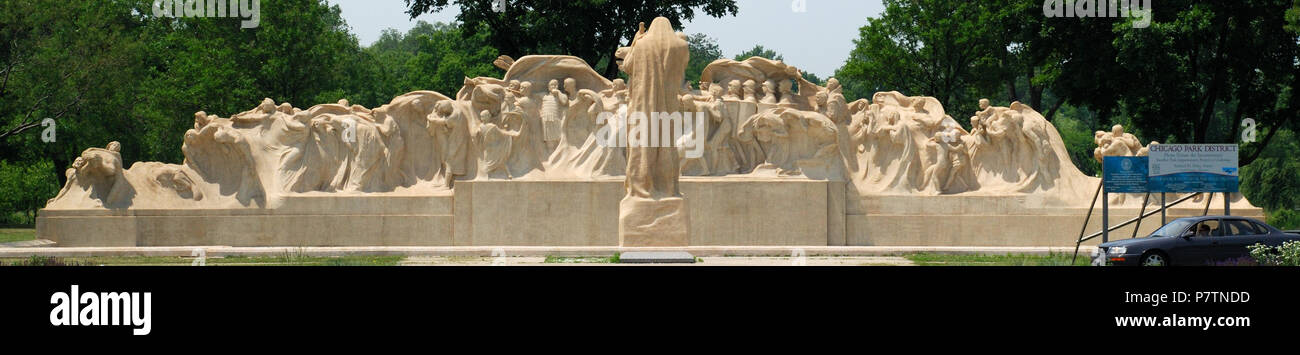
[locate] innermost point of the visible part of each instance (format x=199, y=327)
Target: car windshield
x=1173, y=228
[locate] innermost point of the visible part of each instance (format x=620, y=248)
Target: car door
x=1238, y=235
x=1195, y=250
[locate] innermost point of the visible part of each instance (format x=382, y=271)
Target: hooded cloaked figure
x=656, y=67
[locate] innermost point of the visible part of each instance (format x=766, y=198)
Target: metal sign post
x=1163, y=220
x=1121, y=175
x=1105, y=212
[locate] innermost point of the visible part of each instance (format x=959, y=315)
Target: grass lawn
x=283, y=260
x=1063, y=259
x=550, y=259
x=16, y=234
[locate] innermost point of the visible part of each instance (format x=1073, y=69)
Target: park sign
x=1124, y=174
x=1193, y=168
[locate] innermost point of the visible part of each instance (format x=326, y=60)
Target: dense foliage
x=590, y=29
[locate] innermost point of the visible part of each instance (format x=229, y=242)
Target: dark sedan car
x=1195, y=241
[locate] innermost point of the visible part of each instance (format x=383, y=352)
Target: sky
x=816, y=40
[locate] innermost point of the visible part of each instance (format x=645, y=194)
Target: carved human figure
x=691, y=165
x=769, y=92
x=554, y=105
x=98, y=172
x=655, y=62
x=495, y=139
x=571, y=89
x=892, y=163
x=175, y=178
x=452, y=125
x=1116, y=143
x=201, y=119
x=719, y=152
x=960, y=178
x=610, y=96
x=982, y=117
x=821, y=99
x=734, y=91
x=511, y=99
x=750, y=94
x=770, y=131
x=715, y=91
x=949, y=173
x=579, y=121
x=527, y=147
x=807, y=140
x=787, y=95
x=71, y=175
x=837, y=109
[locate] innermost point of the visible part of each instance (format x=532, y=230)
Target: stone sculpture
x=1117, y=143
x=554, y=105
x=654, y=213
x=755, y=128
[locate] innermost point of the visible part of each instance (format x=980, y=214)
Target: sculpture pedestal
x=664, y=222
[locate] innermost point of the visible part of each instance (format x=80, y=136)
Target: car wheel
x=1154, y=258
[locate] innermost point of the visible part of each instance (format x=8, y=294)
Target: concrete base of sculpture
x=999, y=220
x=722, y=212
x=300, y=220
x=664, y=222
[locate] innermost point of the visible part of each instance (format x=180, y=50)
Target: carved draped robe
x=656, y=66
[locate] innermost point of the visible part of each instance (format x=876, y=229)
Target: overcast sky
x=816, y=41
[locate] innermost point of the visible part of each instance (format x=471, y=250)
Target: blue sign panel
x=1193, y=182
x=1189, y=168
x=1124, y=174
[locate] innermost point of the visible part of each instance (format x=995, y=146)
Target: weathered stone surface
x=663, y=222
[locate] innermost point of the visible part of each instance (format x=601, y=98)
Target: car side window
x=1260, y=228
x=1210, y=228
x=1239, y=227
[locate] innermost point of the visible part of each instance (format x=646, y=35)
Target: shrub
x=37, y=260
x=1284, y=219
x=1286, y=255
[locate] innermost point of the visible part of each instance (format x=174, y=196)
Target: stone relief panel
x=551, y=117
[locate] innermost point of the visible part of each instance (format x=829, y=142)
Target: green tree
x=448, y=56
x=24, y=188
x=1273, y=180
x=111, y=70
x=704, y=50
x=590, y=29
x=759, y=51
x=428, y=57
x=72, y=62
x=1193, y=76
x=925, y=47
